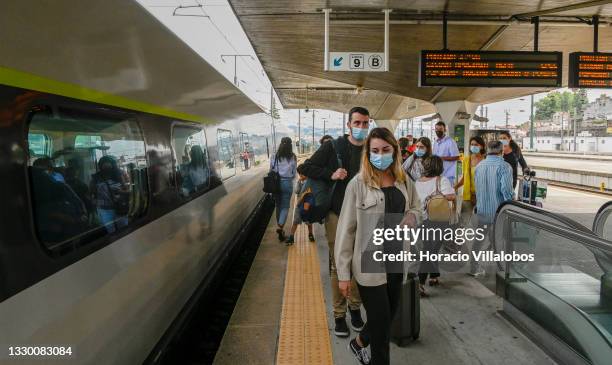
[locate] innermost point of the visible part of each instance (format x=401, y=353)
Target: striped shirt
x=493, y=178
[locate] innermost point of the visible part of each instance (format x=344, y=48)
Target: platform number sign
x=356, y=61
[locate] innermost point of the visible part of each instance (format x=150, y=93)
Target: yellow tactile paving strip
x=304, y=335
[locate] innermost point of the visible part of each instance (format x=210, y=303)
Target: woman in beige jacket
x=380, y=196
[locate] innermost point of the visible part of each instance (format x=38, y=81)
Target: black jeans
x=432, y=246
x=380, y=303
x=430, y=268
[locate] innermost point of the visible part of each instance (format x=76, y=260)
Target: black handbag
x=272, y=180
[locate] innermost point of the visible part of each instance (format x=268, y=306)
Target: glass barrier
x=559, y=281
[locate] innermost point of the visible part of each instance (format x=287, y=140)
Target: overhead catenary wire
x=201, y=6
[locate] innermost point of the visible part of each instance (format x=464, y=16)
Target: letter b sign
x=375, y=61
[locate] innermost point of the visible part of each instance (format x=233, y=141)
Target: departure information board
x=490, y=69
x=590, y=70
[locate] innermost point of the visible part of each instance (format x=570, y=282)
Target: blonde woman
x=380, y=194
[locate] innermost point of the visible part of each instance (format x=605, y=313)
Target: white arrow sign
x=357, y=61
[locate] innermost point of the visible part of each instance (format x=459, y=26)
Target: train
x=118, y=209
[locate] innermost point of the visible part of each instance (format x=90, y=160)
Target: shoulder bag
x=272, y=180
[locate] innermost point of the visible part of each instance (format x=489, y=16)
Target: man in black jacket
x=323, y=165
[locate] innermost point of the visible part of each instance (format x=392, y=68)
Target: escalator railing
x=564, y=288
x=602, y=227
x=602, y=224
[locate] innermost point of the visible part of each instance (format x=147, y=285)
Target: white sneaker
x=477, y=273
x=361, y=353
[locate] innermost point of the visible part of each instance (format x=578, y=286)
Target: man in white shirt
x=446, y=148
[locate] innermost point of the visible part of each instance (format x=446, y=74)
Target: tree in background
x=580, y=100
x=547, y=106
x=561, y=102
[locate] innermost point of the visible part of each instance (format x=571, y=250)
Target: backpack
x=314, y=200
x=437, y=207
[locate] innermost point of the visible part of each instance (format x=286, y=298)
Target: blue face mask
x=419, y=152
x=359, y=133
x=475, y=149
x=505, y=142
x=381, y=161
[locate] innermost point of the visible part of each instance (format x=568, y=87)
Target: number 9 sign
x=356, y=61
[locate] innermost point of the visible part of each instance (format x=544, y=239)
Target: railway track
x=606, y=192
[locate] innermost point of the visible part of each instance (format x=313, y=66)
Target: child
x=297, y=219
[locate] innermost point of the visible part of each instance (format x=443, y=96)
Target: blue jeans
x=283, y=200
x=110, y=220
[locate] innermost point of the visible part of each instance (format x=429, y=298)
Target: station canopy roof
x=288, y=36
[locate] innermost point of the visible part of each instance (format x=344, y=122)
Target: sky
x=213, y=30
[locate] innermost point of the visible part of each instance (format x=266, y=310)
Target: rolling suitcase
x=527, y=190
x=532, y=191
x=406, y=325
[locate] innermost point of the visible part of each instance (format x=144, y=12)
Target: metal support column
x=387, y=11
x=444, y=32
x=299, y=146
x=235, y=64
x=575, y=117
x=313, y=129
x=326, y=51
x=531, y=125
x=562, y=146
x=536, y=31
x=595, y=33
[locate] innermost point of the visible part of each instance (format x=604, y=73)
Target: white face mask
x=359, y=133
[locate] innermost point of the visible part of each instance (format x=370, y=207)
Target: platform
x=460, y=321
x=252, y=333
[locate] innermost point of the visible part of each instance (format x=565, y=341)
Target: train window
x=247, y=154
x=191, y=167
x=91, y=182
x=225, y=151
x=85, y=141
x=39, y=144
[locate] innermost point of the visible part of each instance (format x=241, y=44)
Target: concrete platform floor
x=460, y=324
x=252, y=333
